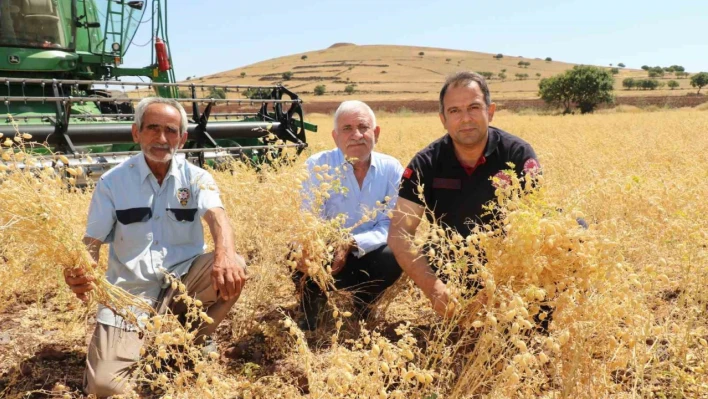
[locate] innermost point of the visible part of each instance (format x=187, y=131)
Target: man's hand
x=228, y=276
x=79, y=282
x=340, y=258
x=443, y=303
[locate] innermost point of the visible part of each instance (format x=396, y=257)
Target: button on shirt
x=455, y=193
x=381, y=181
x=149, y=226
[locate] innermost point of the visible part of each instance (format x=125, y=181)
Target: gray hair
x=147, y=101
x=464, y=79
x=353, y=106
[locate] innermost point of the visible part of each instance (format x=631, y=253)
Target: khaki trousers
x=113, y=351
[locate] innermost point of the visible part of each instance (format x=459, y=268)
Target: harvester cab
x=63, y=82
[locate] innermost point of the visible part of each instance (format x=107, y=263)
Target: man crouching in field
x=455, y=177
x=148, y=208
x=364, y=264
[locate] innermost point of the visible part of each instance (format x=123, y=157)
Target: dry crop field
x=629, y=293
x=400, y=73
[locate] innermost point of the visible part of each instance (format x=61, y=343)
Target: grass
x=629, y=292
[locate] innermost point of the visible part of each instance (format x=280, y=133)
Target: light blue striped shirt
x=149, y=226
x=381, y=181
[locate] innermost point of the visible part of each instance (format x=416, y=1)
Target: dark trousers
x=367, y=277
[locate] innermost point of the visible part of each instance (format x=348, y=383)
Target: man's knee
x=104, y=380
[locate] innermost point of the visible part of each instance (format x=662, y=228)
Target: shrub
x=287, y=75
x=350, y=89
x=320, y=90
x=672, y=84
x=549, y=59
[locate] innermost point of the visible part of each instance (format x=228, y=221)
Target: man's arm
x=229, y=273
x=76, y=279
x=405, y=221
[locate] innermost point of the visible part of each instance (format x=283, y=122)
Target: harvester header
x=63, y=81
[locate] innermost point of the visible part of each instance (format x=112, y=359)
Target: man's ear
x=334, y=135
x=376, y=134
x=183, y=140
x=134, y=132
x=442, y=118
x=490, y=110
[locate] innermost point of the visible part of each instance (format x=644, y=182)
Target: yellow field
x=394, y=73
x=631, y=318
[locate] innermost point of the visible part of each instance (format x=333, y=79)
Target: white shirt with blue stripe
x=149, y=226
x=382, y=180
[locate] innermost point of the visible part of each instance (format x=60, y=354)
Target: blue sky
x=210, y=36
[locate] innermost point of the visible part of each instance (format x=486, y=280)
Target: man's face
x=355, y=134
x=465, y=115
x=160, y=136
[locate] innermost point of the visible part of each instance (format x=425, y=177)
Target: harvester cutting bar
x=107, y=83
x=126, y=116
x=94, y=165
x=115, y=133
x=70, y=99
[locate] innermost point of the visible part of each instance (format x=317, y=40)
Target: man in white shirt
x=365, y=264
x=148, y=209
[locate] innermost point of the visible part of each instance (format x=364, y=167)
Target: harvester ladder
x=115, y=32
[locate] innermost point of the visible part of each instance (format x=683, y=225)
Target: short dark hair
x=463, y=79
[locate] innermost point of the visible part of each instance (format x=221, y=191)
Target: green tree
x=448, y=59
x=673, y=84
x=699, y=80
x=645, y=67
x=502, y=76
x=538, y=75
x=549, y=59
x=648, y=84
x=487, y=75
x=628, y=83
x=320, y=90
x=678, y=68
x=653, y=73
x=681, y=75
x=217, y=92
x=614, y=71
x=304, y=57
x=256, y=94
x=287, y=75
x=350, y=89
x=621, y=65
x=499, y=56
x=243, y=74
x=586, y=86
x=421, y=54
x=503, y=70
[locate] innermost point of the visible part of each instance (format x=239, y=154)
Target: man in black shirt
x=458, y=173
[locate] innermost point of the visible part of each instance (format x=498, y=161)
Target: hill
x=401, y=73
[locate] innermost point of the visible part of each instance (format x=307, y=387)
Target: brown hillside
x=400, y=73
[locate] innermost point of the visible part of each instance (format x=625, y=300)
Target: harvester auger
x=61, y=81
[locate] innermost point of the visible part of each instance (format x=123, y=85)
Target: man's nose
x=161, y=136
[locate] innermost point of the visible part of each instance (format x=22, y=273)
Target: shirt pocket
x=133, y=233
x=181, y=225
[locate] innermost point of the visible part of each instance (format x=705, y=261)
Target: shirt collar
x=145, y=171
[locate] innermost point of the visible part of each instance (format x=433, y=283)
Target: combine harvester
x=60, y=65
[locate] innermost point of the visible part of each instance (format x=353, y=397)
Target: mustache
x=356, y=142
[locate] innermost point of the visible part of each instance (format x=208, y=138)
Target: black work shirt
x=456, y=195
